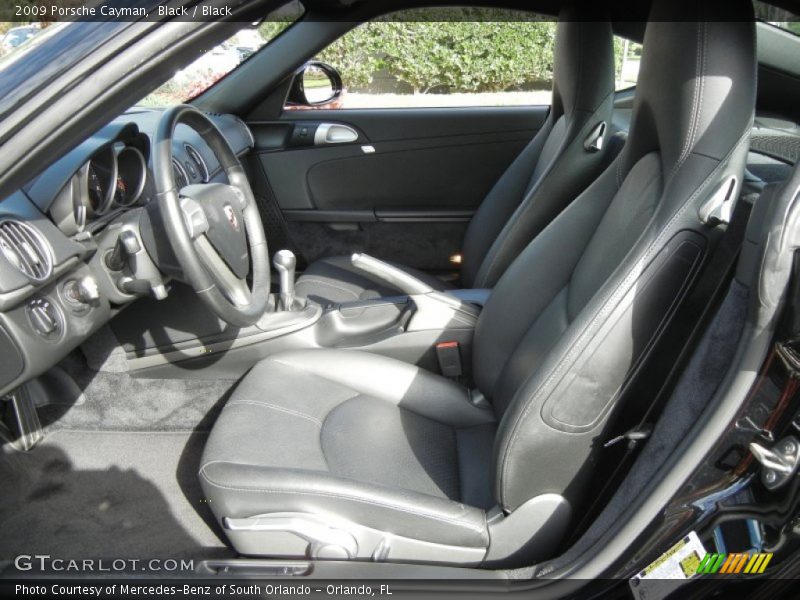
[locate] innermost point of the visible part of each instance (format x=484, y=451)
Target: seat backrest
x=555, y=166
x=572, y=319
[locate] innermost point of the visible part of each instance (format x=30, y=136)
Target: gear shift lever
x=285, y=262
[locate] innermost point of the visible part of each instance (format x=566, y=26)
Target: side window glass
x=777, y=17
x=628, y=55
x=444, y=57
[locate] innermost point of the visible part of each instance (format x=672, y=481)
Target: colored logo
x=730, y=564
x=234, y=222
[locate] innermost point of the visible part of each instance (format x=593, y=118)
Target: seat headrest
x=697, y=81
x=583, y=64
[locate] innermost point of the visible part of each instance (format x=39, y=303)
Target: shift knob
x=285, y=262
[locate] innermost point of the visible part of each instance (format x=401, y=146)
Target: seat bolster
x=240, y=490
x=414, y=389
x=335, y=280
x=563, y=178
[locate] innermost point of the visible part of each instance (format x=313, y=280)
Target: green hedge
x=473, y=54
x=456, y=56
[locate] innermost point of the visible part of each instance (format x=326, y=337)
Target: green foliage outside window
x=431, y=51
x=449, y=51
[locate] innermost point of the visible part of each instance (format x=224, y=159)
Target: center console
x=420, y=325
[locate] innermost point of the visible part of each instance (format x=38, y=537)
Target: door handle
x=334, y=133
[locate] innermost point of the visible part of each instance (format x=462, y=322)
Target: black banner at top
x=51, y=11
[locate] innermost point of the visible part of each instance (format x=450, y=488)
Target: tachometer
x=97, y=192
x=101, y=177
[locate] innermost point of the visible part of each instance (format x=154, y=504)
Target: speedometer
x=131, y=174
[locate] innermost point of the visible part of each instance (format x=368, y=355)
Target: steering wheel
x=214, y=228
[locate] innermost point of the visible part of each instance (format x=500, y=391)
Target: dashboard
x=114, y=178
x=60, y=278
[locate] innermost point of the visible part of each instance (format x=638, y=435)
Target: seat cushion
x=335, y=280
x=363, y=437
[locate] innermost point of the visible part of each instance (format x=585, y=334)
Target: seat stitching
x=277, y=360
x=457, y=522
x=278, y=408
x=515, y=219
x=462, y=389
x=325, y=420
x=343, y=402
x=529, y=200
x=611, y=299
x=695, y=91
x=703, y=28
x=697, y=99
x=643, y=191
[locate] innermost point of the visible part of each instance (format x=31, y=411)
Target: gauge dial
x=181, y=178
x=97, y=192
x=101, y=176
x=121, y=195
x=131, y=175
x=197, y=158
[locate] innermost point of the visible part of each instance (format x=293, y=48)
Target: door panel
x=418, y=175
x=388, y=124
x=409, y=176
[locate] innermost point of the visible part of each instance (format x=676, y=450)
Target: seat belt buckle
x=449, y=356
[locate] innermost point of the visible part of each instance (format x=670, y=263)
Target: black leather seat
x=547, y=175
x=357, y=434
x=347, y=454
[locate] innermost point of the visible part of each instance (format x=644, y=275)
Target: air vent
x=181, y=178
x=202, y=168
x=26, y=249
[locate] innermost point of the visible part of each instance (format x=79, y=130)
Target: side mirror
x=314, y=85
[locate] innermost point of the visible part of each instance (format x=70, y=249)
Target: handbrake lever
x=407, y=283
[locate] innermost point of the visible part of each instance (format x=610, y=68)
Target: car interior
x=388, y=336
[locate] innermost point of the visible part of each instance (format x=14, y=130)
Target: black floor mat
x=107, y=494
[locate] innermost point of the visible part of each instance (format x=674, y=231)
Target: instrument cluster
x=115, y=177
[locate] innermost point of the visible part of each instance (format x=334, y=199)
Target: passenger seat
x=564, y=157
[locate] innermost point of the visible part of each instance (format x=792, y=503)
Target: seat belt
x=696, y=309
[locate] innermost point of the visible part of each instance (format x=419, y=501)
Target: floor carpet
x=81, y=398
x=95, y=494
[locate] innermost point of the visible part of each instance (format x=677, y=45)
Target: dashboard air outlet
x=25, y=248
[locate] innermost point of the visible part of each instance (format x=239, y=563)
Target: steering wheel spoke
x=238, y=180
x=241, y=197
x=194, y=217
x=214, y=229
x=234, y=288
